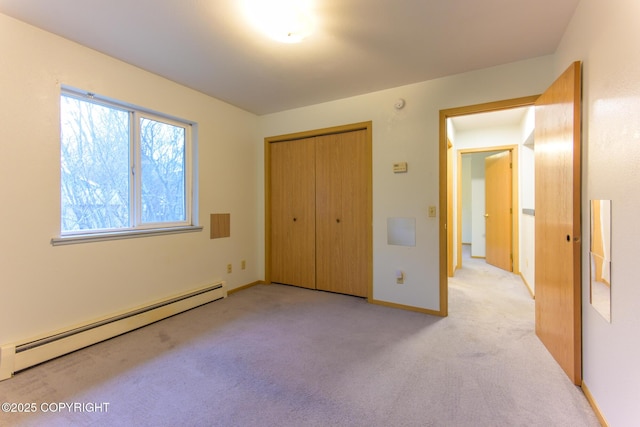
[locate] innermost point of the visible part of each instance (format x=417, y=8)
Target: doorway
x=450, y=233
x=557, y=214
x=487, y=188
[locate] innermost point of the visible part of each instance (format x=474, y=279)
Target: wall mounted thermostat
x=400, y=167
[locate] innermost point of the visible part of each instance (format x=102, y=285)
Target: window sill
x=119, y=235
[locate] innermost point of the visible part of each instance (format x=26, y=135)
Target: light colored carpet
x=284, y=356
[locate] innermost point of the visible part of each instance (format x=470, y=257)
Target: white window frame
x=136, y=227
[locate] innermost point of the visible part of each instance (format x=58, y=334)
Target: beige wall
x=44, y=288
x=604, y=35
x=411, y=135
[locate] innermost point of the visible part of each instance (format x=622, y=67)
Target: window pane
x=94, y=166
x=162, y=153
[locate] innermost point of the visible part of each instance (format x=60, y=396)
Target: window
x=122, y=169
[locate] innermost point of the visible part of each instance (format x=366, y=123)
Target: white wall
x=478, y=206
x=44, y=288
x=527, y=201
x=488, y=137
x=466, y=208
x=411, y=135
x=604, y=35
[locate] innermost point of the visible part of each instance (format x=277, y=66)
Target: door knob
x=486, y=215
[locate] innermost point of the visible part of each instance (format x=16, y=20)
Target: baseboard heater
x=18, y=356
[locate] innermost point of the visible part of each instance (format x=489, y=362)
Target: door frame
x=445, y=251
x=515, y=221
x=366, y=126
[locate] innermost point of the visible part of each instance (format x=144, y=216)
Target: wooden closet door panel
x=293, y=212
x=343, y=213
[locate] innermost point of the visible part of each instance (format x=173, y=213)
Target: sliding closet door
x=292, y=217
x=343, y=213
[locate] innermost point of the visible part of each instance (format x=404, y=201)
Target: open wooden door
x=498, y=210
x=557, y=221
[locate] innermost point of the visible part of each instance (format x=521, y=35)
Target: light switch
x=432, y=211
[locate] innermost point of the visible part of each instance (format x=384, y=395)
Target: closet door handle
x=338, y=220
x=295, y=219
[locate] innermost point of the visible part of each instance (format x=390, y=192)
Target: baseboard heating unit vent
x=18, y=356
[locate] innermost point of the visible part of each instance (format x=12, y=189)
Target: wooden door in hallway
x=498, y=210
x=557, y=221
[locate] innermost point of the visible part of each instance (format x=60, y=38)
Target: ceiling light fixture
x=287, y=21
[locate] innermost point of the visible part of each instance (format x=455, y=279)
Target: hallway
x=502, y=311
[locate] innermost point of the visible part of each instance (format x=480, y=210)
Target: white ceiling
x=360, y=45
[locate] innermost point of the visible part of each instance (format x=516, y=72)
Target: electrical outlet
x=243, y=264
x=229, y=268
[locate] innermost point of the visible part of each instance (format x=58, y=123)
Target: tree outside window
x=121, y=168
